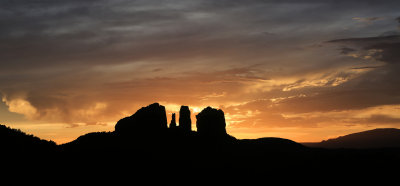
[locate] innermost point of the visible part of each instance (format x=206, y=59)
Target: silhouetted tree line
x=15, y=141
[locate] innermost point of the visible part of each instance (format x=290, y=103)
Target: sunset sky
x=306, y=70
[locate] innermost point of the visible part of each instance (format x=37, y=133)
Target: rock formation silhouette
x=185, y=123
x=211, y=122
x=172, y=125
x=152, y=118
x=144, y=142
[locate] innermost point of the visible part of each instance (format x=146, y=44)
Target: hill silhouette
x=144, y=142
x=15, y=141
x=377, y=138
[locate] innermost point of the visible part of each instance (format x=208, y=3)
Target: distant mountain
x=13, y=141
x=377, y=138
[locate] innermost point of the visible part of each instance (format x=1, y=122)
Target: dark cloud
x=380, y=119
x=365, y=67
x=385, y=47
x=377, y=87
x=339, y=100
x=346, y=50
x=389, y=52
x=76, y=33
x=366, y=41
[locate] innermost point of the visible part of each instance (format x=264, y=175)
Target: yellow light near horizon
x=197, y=109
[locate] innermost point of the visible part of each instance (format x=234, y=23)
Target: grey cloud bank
x=64, y=56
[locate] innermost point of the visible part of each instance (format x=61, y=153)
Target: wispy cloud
x=368, y=20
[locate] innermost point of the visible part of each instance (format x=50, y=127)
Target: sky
x=305, y=70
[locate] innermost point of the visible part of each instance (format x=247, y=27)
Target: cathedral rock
x=172, y=125
x=185, y=123
x=211, y=122
x=152, y=118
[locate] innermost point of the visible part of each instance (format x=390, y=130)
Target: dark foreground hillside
x=144, y=142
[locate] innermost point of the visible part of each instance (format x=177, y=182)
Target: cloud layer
x=268, y=64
